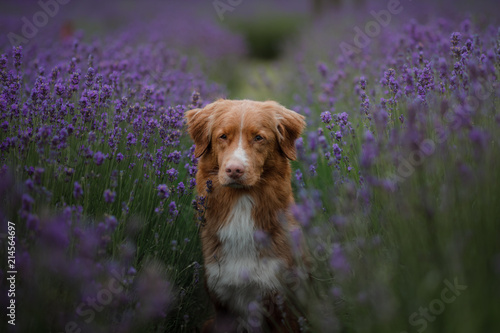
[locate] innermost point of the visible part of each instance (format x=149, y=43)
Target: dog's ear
x=290, y=127
x=199, y=128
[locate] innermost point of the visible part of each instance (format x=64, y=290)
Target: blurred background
x=238, y=42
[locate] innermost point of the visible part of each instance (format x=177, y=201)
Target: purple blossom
x=18, y=55
x=303, y=213
x=323, y=69
x=131, y=140
x=172, y=174
x=338, y=259
x=174, y=157
x=77, y=191
x=111, y=222
x=99, y=158
x=172, y=208
x=27, y=203
x=181, y=189
x=337, y=151
x=163, y=191
x=362, y=83
x=298, y=176
x=109, y=196
x=326, y=117
x=455, y=38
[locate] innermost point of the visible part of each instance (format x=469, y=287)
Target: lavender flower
x=109, y=196
x=77, y=191
x=172, y=208
x=163, y=191
x=338, y=260
x=99, y=158
x=326, y=117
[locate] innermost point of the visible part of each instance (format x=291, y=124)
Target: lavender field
x=397, y=181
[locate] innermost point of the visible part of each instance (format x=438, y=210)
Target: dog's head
x=244, y=137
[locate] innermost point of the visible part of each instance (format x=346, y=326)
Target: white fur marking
x=240, y=154
x=240, y=276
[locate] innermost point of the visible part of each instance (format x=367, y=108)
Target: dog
x=244, y=149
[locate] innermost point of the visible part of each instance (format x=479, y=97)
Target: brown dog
x=244, y=148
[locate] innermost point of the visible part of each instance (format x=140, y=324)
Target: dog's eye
x=223, y=137
x=258, y=138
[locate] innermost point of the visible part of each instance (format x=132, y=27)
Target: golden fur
x=265, y=134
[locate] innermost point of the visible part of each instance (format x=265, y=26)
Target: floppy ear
x=199, y=129
x=290, y=126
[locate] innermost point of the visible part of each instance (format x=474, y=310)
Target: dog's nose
x=235, y=170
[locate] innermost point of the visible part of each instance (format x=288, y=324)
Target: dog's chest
x=240, y=274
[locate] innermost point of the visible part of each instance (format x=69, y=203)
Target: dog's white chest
x=240, y=275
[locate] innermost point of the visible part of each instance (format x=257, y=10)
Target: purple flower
x=455, y=38
x=209, y=185
x=303, y=212
x=99, y=158
x=38, y=175
x=18, y=55
x=298, y=176
x=131, y=140
x=109, y=196
x=163, y=191
x=323, y=69
x=77, y=190
x=362, y=82
x=338, y=135
x=29, y=184
x=111, y=222
x=27, y=202
x=172, y=208
x=172, y=174
x=326, y=117
x=312, y=170
x=338, y=260
x=337, y=151
x=297, y=240
x=181, y=189
x=479, y=138
x=343, y=119
x=174, y=157
x=90, y=77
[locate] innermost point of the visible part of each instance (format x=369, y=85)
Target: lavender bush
x=395, y=182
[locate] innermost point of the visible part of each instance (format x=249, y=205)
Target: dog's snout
x=235, y=170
